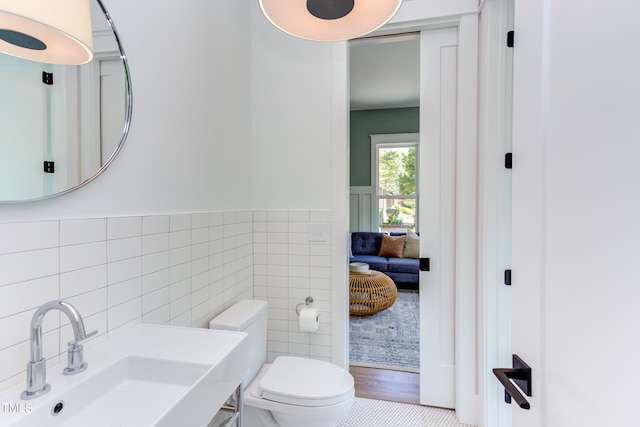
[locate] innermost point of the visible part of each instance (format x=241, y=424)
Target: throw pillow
x=412, y=247
x=392, y=246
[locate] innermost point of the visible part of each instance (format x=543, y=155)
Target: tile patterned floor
x=378, y=413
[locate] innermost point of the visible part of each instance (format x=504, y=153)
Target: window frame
x=392, y=140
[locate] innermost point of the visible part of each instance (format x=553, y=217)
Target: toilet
x=291, y=391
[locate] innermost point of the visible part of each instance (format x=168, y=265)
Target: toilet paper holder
x=307, y=302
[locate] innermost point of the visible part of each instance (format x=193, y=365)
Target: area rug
x=389, y=339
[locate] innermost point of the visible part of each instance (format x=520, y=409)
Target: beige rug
x=389, y=339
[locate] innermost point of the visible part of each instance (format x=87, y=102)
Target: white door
x=112, y=106
x=576, y=204
x=438, y=111
x=22, y=143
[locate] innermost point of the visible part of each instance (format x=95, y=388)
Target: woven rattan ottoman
x=370, y=292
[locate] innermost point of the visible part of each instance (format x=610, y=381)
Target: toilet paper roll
x=309, y=319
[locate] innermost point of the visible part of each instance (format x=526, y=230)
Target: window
x=395, y=170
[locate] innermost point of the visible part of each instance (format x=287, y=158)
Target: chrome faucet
x=36, y=367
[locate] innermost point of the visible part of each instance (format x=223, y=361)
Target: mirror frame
x=127, y=119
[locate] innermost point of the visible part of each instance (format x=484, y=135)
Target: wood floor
x=394, y=386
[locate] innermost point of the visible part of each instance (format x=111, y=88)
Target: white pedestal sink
x=147, y=376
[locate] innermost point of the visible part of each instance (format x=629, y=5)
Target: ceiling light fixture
x=53, y=32
x=329, y=20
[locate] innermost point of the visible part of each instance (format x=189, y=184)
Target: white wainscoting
x=176, y=269
x=362, y=209
x=287, y=269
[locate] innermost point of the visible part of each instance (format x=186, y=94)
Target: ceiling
x=385, y=72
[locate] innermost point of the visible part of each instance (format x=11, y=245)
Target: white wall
x=292, y=148
x=189, y=144
x=184, y=163
x=576, y=181
x=291, y=105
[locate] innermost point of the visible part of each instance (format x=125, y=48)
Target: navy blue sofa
x=365, y=247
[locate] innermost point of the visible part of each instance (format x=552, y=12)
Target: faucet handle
x=82, y=341
x=75, y=353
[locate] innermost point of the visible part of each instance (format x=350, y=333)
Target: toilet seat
x=305, y=382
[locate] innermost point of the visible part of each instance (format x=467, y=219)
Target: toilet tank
x=248, y=316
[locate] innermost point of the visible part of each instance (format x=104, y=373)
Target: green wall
x=368, y=122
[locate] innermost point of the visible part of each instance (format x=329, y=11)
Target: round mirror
x=60, y=125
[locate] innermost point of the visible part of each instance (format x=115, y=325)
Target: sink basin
x=148, y=376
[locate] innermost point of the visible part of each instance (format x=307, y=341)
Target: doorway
x=384, y=117
x=437, y=115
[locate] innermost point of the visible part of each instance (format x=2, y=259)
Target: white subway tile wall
x=178, y=269
x=118, y=272
x=287, y=269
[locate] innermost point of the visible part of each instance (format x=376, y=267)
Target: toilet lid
x=305, y=382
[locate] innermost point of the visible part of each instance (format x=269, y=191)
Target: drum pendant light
x=329, y=20
x=49, y=31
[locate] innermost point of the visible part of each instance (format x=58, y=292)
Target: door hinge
x=425, y=264
x=510, y=36
x=47, y=78
x=49, y=167
x=507, y=277
x=508, y=160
